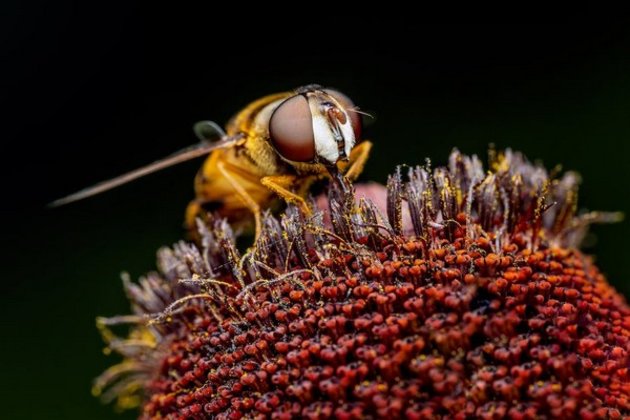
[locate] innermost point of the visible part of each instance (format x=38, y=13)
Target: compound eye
x=349, y=108
x=291, y=130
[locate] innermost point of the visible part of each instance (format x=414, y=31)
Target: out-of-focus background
x=89, y=92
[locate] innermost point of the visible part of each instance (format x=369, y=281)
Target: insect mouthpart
x=337, y=118
x=334, y=133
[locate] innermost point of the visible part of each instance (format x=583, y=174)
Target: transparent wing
x=208, y=131
x=191, y=152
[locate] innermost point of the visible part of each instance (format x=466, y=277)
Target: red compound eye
x=291, y=130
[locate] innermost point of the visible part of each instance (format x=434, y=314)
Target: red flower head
x=475, y=304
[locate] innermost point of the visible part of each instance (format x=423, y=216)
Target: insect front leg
x=358, y=157
x=281, y=184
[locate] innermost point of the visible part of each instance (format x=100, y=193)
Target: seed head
x=466, y=296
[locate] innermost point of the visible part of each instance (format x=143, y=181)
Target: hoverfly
x=275, y=147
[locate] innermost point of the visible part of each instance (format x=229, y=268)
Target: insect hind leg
x=196, y=209
x=251, y=204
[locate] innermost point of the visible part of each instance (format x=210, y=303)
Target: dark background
x=90, y=93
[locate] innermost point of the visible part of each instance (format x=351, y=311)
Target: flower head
x=465, y=296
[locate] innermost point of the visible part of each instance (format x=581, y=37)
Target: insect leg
x=192, y=212
x=243, y=194
x=358, y=157
x=280, y=184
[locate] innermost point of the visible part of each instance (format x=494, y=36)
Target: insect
x=276, y=147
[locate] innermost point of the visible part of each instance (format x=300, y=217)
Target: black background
x=88, y=93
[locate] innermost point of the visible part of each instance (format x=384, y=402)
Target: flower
x=477, y=304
